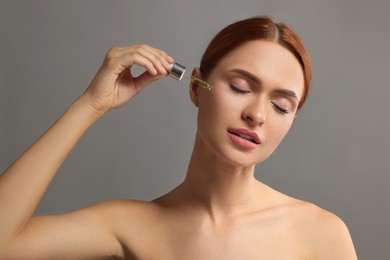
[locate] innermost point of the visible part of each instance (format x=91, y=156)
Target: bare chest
x=254, y=240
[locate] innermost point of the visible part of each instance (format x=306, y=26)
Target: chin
x=244, y=160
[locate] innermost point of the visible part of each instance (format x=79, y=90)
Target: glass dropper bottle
x=178, y=72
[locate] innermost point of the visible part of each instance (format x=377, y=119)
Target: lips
x=246, y=134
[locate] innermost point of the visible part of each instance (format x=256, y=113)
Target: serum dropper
x=178, y=72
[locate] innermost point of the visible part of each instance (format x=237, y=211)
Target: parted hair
x=251, y=29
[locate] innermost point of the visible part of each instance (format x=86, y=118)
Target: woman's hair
x=256, y=28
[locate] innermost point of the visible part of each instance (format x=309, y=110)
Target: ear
x=194, y=88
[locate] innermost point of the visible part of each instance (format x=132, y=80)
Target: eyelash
x=238, y=90
x=277, y=107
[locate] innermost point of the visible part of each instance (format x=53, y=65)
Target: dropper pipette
x=178, y=72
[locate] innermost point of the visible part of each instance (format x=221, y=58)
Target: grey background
x=336, y=155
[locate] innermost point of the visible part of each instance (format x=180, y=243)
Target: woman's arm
x=24, y=182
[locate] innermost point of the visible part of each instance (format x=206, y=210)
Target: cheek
x=217, y=105
x=278, y=130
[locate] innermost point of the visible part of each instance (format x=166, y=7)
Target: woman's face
x=256, y=91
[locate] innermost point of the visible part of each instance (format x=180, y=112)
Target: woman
x=260, y=73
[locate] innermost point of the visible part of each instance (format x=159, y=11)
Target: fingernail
x=165, y=64
x=170, y=59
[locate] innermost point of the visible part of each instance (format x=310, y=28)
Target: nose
x=255, y=113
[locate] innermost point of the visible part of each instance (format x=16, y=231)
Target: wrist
x=84, y=102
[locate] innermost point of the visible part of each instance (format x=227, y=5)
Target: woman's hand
x=114, y=85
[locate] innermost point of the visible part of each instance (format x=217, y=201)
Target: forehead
x=275, y=65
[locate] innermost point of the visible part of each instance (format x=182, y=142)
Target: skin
x=219, y=211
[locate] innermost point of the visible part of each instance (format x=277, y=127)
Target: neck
x=222, y=189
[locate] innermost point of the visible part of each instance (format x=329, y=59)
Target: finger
x=145, y=62
x=159, y=52
x=145, y=79
x=159, y=58
x=123, y=62
x=154, y=60
x=150, y=57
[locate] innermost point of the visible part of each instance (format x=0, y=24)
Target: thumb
x=145, y=79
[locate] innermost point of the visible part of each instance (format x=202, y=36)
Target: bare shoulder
x=135, y=224
x=128, y=215
x=317, y=219
x=122, y=206
x=325, y=232
x=117, y=213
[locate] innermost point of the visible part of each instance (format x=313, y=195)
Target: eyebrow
x=258, y=81
x=286, y=92
x=248, y=75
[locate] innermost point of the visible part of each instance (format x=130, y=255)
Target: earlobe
x=194, y=88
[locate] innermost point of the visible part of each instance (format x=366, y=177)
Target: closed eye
x=238, y=90
x=279, y=108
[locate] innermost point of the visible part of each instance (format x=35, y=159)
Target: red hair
x=251, y=29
